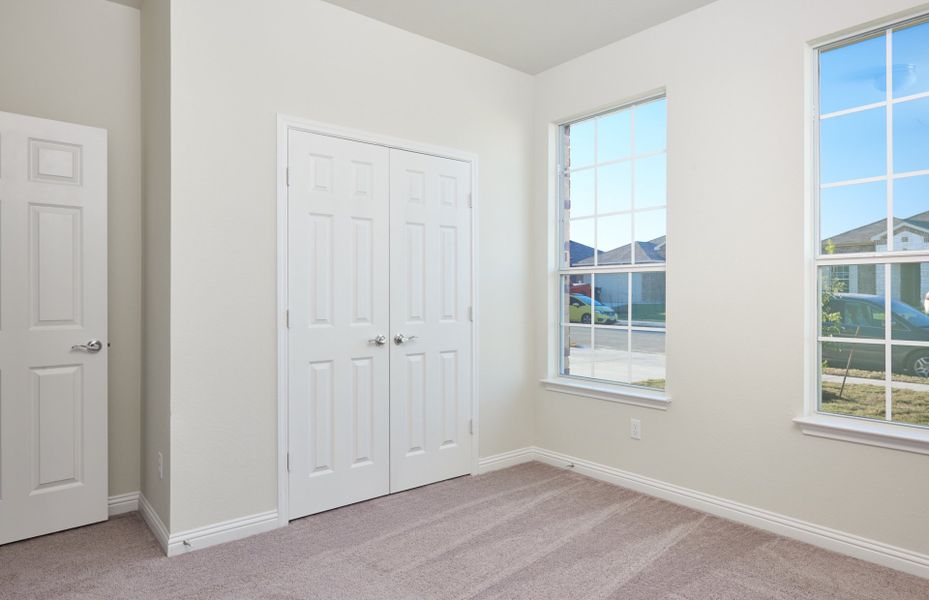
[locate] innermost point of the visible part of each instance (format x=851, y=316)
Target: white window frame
x=886, y=434
x=575, y=385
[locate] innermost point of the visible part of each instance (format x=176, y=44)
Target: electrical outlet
x=635, y=429
x=161, y=466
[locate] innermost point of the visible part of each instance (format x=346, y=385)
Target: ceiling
x=529, y=35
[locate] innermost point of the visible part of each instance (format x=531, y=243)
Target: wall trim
x=122, y=503
x=220, y=533
x=154, y=522
x=848, y=544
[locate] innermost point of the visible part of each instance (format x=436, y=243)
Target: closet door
x=430, y=292
x=338, y=208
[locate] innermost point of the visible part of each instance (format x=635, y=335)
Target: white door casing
x=338, y=287
x=53, y=295
x=430, y=296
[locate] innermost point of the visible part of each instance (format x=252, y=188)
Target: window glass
x=853, y=146
x=873, y=208
x=853, y=75
x=614, y=246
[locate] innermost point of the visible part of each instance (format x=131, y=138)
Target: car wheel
x=919, y=364
x=585, y=319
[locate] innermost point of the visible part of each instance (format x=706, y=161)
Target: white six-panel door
x=53, y=296
x=338, y=285
x=379, y=246
x=430, y=294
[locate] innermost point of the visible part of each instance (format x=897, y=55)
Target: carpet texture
x=532, y=531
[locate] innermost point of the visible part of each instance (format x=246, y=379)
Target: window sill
x=611, y=393
x=860, y=431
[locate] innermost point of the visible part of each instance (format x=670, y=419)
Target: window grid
x=566, y=271
x=891, y=255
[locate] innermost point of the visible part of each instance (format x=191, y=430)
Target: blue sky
x=854, y=146
x=614, y=182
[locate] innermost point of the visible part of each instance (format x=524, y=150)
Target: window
x=612, y=223
x=873, y=219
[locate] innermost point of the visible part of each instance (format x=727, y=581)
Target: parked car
x=862, y=316
x=579, y=310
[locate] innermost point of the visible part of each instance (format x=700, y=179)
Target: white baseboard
x=506, y=459
x=154, y=522
x=123, y=503
x=182, y=542
x=220, y=533
x=816, y=535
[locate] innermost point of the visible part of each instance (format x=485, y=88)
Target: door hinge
x=288, y=462
x=471, y=313
x=470, y=200
x=471, y=426
x=288, y=176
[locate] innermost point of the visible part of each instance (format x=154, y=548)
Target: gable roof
x=868, y=234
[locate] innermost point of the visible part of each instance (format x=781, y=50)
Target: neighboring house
x=646, y=290
x=910, y=282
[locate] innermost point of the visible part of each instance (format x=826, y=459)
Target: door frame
x=286, y=124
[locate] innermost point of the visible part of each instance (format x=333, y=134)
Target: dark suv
x=862, y=316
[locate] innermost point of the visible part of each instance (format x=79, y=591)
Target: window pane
x=911, y=60
x=911, y=205
x=580, y=233
x=578, y=353
x=851, y=216
x=651, y=185
x=613, y=239
x=910, y=385
x=580, y=144
x=910, y=301
x=614, y=136
x=651, y=126
x=858, y=313
x=611, y=354
x=853, y=146
x=648, y=299
x=853, y=75
x=612, y=294
x=614, y=187
x=648, y=359
x=576, y=301
x=911, y=135
x=650, y=228
x=581, y=192
x=852, y=380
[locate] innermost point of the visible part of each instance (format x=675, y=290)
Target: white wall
x=78, y=61
x=156, y=237
x=236, y=64
x=735, y=76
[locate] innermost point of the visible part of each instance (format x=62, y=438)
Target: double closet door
x=379, y=330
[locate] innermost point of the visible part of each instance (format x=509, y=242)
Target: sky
x=854, y=145
x=615, y=186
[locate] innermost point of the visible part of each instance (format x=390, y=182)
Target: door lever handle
x=402, y=339
x=379, y=340
x=91, y=347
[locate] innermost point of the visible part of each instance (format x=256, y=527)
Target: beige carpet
x=532, y=531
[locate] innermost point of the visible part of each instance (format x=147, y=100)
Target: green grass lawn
x=860, y=400
x=650, y=383
x=875, y=375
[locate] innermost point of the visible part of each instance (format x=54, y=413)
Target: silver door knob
x=379, y=340
x=402, y=339
x=91, y=347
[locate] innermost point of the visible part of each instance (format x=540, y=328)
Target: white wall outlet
x=161, y=466
x=635, y=429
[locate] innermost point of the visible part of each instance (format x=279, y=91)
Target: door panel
x=430, y=294
x=53, y=295
x=338, y=210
